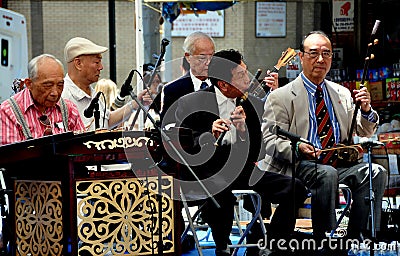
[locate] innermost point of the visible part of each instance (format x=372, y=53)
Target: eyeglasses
x=203, y=58
x=316, y=54
x=44, y=120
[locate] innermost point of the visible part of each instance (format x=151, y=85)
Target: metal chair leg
x=345, y=189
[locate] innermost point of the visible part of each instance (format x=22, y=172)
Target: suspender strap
x=64, y=113
x=20, y=117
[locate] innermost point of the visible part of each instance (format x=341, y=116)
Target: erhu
x=259, y=90
x=369, y=56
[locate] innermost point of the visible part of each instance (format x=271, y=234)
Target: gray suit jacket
x=288, y=108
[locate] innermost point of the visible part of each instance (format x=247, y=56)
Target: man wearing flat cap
x=84, y=65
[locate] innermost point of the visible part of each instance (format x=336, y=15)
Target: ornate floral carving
x=121, y=216
x=123, y=142
x=38, y=217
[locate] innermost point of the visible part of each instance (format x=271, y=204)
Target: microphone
x=118, y=102
x=125, y=90
x=291, y=136
x=88, y=112
x=164, y=43
x=371, y=144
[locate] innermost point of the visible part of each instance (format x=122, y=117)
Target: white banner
x=343, y=15
x=270, y=19
x=211, y=23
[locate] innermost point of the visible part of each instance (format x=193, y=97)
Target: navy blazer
x=172, y=92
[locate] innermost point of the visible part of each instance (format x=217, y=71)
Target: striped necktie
x=325, y=129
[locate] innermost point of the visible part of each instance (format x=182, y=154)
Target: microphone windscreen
x=119, y=102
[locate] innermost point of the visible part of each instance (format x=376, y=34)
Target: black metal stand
x=371, y=199
x=293, y=143
x=294, y=139
x=164, y=44
x=96, y=114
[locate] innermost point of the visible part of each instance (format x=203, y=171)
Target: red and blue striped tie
x=325, y=129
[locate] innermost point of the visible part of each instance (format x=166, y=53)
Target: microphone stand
x=172, y=146
x=371, y=199
x=164, y=44
x=96, y=114
x=293, y=142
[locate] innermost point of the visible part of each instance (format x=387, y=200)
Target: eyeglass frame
x=323, y=54
x=202, y=58
x=49, y=129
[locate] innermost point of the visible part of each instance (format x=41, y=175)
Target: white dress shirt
x=81, y=99
x=225, y=107
x=197, y=82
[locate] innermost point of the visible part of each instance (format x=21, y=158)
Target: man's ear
x=28, y=83
x=223, y=86
x=77, y=63
x=187, y=56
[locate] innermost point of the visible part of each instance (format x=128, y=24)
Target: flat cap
x=79, y=46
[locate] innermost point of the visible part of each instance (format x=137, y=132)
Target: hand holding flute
x=221, y=126
x=270, y=81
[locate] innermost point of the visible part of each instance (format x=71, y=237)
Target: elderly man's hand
x=238, y=117
x=308, y=151
x=145, y=97
x=271, y=80
x=363, y=96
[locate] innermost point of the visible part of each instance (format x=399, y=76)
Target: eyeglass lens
x=44, y=120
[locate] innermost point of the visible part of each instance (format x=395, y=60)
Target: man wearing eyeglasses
x=199, y=48
x=38, y=110
x=321, y=111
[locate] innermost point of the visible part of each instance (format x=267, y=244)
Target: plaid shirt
x=11, y=129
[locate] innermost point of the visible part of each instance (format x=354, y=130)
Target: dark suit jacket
x=172, y=92
x=197, y=111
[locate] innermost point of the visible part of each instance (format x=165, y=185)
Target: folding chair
x=256, y=200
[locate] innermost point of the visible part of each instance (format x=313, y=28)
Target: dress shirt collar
x=221, y=99
x=28, y=100
x=77, y=92
x=197, y=82
x=310, y=86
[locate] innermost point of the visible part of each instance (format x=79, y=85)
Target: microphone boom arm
x=164, y=44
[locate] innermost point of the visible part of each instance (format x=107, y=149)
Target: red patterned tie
x=325, y=129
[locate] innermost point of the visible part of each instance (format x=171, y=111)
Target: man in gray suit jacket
x=292, y=108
